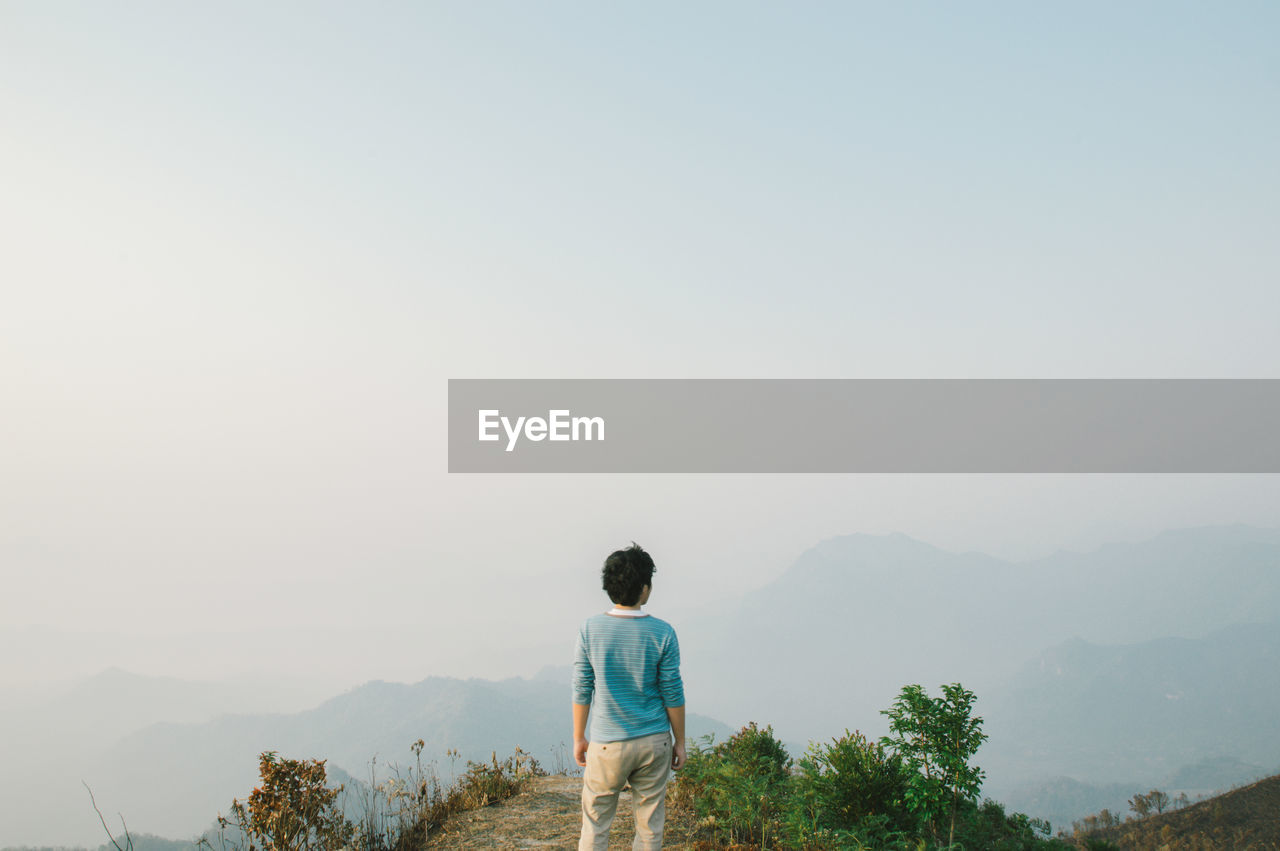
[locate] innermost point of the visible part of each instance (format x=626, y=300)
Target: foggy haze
x=245, y=248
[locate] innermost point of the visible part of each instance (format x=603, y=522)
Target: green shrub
x=851, y=784
x=739, y=788
x=1100, y=845
x=987, y=826
x=911, y=791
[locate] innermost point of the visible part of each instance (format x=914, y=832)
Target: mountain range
x=1098, y=675
x=830, y=642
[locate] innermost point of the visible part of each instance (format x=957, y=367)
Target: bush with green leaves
x=737, y=789
x=853, y=793
x=850, y=784
x=988, y=826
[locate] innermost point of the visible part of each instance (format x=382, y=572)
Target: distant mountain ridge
x=857, y=617
x=1183, y=715
x=1145, y=709
x=53, y=733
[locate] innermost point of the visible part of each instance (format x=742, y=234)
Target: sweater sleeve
x=670, y=686
x=584, y=676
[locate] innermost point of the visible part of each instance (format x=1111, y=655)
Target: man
x=626, y=678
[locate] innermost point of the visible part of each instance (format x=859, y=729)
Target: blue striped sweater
x=628, y=671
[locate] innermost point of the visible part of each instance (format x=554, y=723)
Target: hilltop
x=545, y=815
x=1242, y=818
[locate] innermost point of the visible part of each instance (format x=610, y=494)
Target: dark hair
x=625, y=574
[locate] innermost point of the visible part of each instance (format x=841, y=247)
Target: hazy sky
x=242, y=248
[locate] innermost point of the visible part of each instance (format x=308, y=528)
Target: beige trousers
x=645, y=763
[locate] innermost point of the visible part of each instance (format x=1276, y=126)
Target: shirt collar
x=627, y=613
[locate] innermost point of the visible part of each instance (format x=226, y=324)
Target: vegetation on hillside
x=294, y=808
x=914, y=789
x=1243, y=818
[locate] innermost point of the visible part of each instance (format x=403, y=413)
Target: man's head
x=626, y=573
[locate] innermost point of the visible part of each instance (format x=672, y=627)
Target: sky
x=243, y=248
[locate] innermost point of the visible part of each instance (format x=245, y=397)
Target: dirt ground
x=546, y=815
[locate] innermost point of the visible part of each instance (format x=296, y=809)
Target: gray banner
x=864, y=425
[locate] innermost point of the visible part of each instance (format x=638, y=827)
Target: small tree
x=1140, y=806
x=292, y=810
x=936, y=737
x=1154, y=801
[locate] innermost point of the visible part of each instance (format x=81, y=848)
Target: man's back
x=632, y=666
